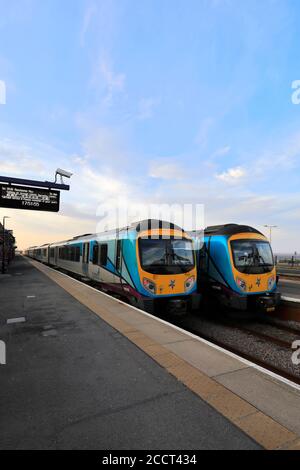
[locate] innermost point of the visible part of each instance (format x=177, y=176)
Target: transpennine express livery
x=236, y=267
x=151, y=263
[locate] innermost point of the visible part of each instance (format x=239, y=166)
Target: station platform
x=290, y=289
x=86, y=371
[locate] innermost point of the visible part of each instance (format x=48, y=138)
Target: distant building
x=9, y=245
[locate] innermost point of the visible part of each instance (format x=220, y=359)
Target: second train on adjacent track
x=236, y=268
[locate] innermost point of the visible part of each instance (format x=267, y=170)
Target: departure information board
x=24, y=197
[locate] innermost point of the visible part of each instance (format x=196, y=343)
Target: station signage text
x=24, y=197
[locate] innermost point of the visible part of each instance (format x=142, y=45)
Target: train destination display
x=24, y=197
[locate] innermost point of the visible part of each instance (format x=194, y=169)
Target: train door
x=55, y=255
x=118, y=260
x=85, y=258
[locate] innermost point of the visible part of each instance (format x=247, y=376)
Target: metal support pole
x=3, y=251
x=3, y=247
x=270, y=227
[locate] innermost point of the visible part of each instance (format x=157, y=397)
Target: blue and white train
x=237, y=268
x=150, y=263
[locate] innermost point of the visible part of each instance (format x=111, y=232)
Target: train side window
x=103, y=255
x=118, y=255
x=95, y=253
x=77, y=256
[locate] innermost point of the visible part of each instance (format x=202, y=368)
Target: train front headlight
x=271, y=282
x=241, y=284
x=189, y=283
x=149, y=285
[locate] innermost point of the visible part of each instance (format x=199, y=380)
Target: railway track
x=266, y=337
x=268, y=343
x=279, y=335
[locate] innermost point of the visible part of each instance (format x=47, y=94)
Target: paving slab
x=274, y=398
x=89, y=387
x=210, y=361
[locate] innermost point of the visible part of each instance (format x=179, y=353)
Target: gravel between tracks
x=247, y=343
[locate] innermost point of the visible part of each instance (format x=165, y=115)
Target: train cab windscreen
x=166, y=256
x=252, y=256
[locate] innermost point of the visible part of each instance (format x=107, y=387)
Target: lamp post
x=270, y=227
x=3, y=246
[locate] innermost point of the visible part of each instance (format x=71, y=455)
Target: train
x=151, y=264
x=236, y=268
x=154, y=264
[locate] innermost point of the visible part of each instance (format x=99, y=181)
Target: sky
x=153, y=102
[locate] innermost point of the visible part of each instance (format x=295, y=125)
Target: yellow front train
x=237, y=268
x=167, y=269
x=150, y=263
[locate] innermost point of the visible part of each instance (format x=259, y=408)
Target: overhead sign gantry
x=23, y=197
x=18, y=193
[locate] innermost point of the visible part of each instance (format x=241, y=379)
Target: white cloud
x=109, y=82
x=101, y=185
x=146, y=107
x=220, y=152
x=106, y=171
x=18, y=159
x=114, y=81
x=105, y=146
x=232, y=175
x=88, y=16
x=2, y=92
x=166, y=170
x=203, y=131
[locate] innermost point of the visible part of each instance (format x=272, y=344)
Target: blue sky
x=157, y=101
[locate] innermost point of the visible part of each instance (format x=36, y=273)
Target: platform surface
x=289, y=288
x=85, y=371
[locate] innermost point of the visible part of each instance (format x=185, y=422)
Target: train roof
x=230, y=229
x=147, y=224
x=82, y=236
x=138, y=226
